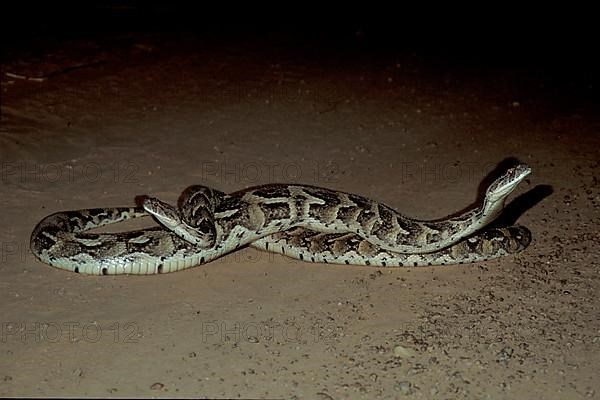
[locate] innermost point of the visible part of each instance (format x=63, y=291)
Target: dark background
x=558, y=42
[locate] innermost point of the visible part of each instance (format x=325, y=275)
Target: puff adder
x=300, y=221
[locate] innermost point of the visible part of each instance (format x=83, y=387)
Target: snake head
x=507, y=182
x=169, y=217
x=166, y=214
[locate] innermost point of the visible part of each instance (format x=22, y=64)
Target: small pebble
x=403, y=352
x=505, y=354
x=405, y=387
x=157, y=386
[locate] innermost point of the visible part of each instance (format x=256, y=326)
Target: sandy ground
x=111, y=120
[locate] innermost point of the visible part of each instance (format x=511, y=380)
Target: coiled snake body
x=304, y=222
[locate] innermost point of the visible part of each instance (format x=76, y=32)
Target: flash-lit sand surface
x=148, y=114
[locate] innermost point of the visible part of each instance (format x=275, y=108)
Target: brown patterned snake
x=299, y=221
